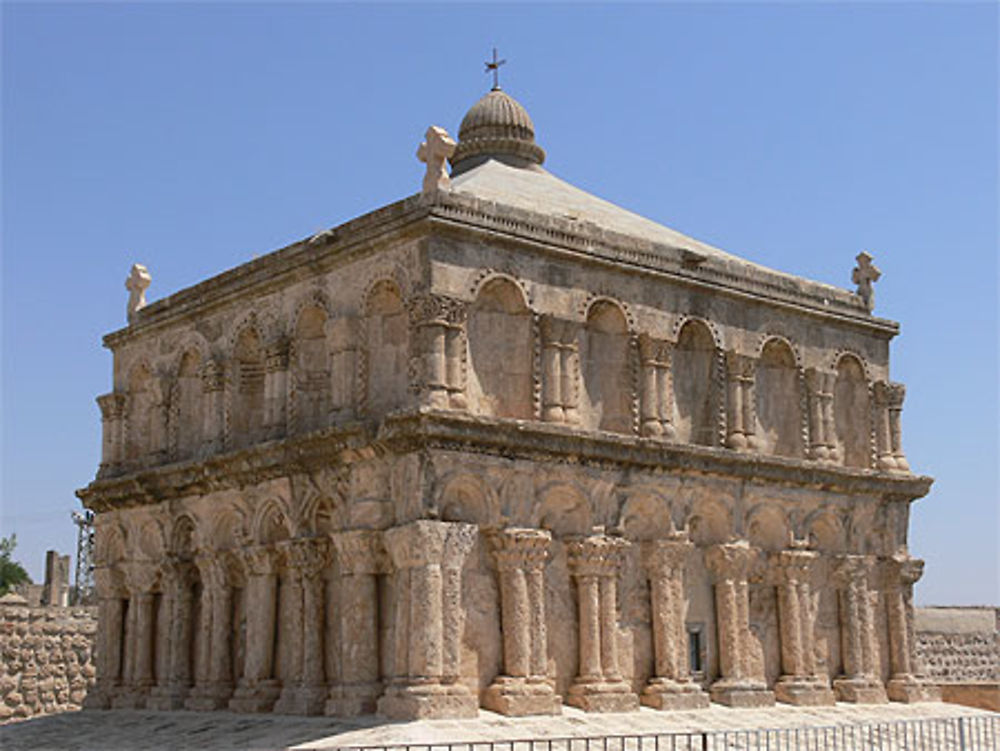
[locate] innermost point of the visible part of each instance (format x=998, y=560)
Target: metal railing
x=969, y=733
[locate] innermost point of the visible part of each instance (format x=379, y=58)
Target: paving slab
x=133, y=730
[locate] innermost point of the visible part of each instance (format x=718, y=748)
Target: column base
x=129, y=699
x=664, y=693
x=910, y=690
x=256, y=698
x=353, y=699
x=600, y=696
x=859, y=691
x=741, y=693
x=428, y=701
x=167, y=699
x=98, y=698
x=301, y=700
x=519, y=697
x=209, y=698
x=804, y=691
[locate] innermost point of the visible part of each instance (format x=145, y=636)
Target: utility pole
x=83, y=586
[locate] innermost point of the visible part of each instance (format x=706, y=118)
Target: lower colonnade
x=364, y=621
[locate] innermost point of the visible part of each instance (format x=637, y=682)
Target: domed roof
x=498, y=127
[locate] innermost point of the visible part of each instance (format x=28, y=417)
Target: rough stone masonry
x=502, y=444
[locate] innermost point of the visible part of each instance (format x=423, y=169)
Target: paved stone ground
x=140, y=730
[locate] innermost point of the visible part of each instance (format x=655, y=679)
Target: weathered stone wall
x=46, y=659
x=959, y=645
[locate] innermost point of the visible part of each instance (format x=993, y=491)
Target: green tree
x=11, y=572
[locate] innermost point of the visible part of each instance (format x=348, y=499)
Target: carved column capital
x=740, y=367
x=309, y=556
x=425, y=542
x=519, y=548
x=109, y=582
x=596, y=555
x=902, y=571
x=140, y=577
x=437, y=310
x=112, y=405
x=730, y=561
x=260, y=560
x=654, y=351
x=793, y=566
x=360, y=551
x=852, y=568
x=276, y=355
x=666, y=557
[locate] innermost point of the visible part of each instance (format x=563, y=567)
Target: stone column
x=213, y=674
x=799, y=683
x=888, y=406
x=361, y=557
x=343, y=337
x=259, y=688
x=137, y=673
x=900, y=574
x=671, y=686
x=523, y=688
x=306, y=694
x=594, y=562
x=560, y=368
x=276, y=389
x=213, y=383
x=860, y=682
x=109, y=639
x=438, y=324
x=427, y=557
x=656, y=396
x=171, y=693
x=741, y=405
x=112, y=413
x=822, y=432
x=894, y=407
x=740, y=684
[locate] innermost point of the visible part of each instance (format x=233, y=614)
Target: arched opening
x=851, y=413
x=188, y=431
x=779, y=409
x=694, y=386
x=500, y=352
x=248, y=385
x=311, y=370
x=606, y=373
x=388, y=349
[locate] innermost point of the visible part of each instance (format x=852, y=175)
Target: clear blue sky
x=191, y=137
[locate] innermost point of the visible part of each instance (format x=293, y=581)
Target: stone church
x=502, y=445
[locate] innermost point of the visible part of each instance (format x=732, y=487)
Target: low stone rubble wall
x=959, y=645
x=46, y=658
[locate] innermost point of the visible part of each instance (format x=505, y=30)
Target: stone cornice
x=448, y=431
x=588, y=242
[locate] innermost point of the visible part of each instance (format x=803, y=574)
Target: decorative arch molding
x=313, y=298
x=834, y=360
x=191, y=341
x=599, y=298
x=465, y=497
x=248, y=320
x=489, y=275
x=768, y=526
x=111, y=544
x=564, y=509
x=713, y=329
x=772, y=334
x=272, y=522
x=709, y=521
x=826, y=529
x=184, y=539
x=646, y=514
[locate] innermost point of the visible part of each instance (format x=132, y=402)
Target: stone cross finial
x=864, y=274
x=434, y=151
x=136, y=284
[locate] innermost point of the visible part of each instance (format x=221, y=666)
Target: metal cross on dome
x=494, y=65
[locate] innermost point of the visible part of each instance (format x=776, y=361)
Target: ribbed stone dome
x=498, y=127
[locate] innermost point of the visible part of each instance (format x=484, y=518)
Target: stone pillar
x=439, y=330
x=306, y=693
x=894, y=407
x=671, y=686
x=524, y=687
x=656, y=388
x=822, y=431
x=741, y=405
x=109, y=639
x=741, y=685
x=900, y=574
x=427, y=558
x=859, y=682
x=171, y=693
x=888, y=406
x=213, y=383
x=137, y=674
x=343, y=339
x=214, y=674
x=799, y=682
x=560, y=370
x=594, y=562
x=112, y=414
x=276, y=389
x=361, y=557
x=259, y=688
